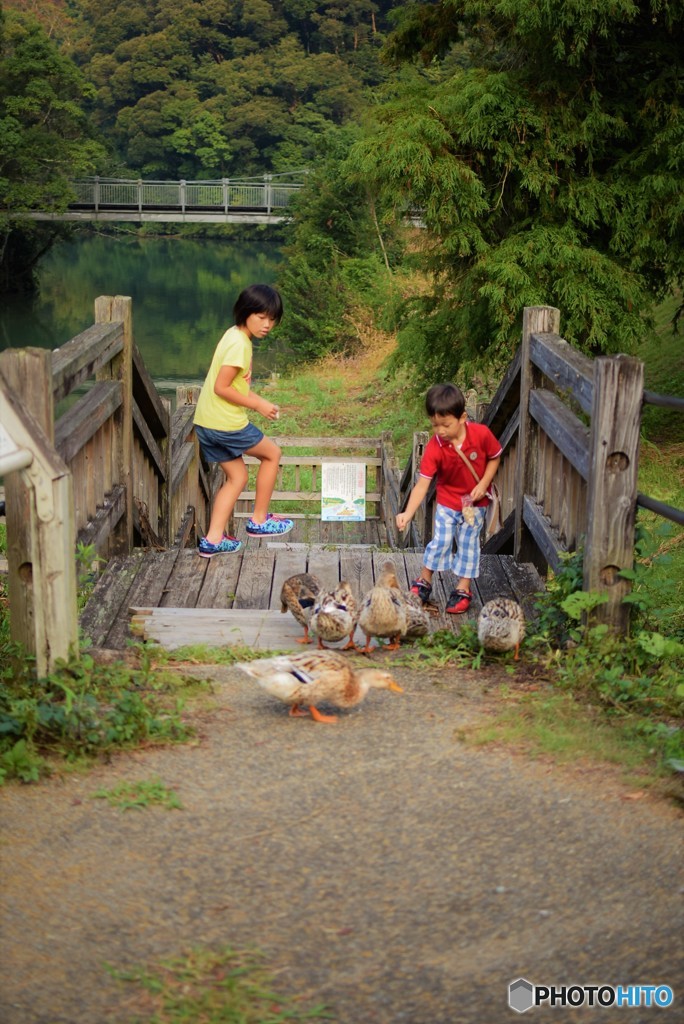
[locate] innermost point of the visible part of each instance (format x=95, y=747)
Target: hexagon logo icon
x=521, y=995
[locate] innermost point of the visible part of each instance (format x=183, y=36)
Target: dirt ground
x=384, y=867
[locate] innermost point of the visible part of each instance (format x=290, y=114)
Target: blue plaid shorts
x=450, y=524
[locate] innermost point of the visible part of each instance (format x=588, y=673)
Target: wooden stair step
x=260, y=629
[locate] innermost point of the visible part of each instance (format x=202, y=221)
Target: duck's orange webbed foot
x=394, y=644
x=367, y=649
x=318, y=716
x=306, y=639
x=350, y=645
x=297, y=711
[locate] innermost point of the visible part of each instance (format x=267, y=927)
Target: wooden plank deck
x=309, y=529
x=180, y=599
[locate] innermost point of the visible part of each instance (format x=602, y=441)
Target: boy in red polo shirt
x=461, y=500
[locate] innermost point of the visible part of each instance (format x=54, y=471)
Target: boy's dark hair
x=258, y=298
x=445, y=400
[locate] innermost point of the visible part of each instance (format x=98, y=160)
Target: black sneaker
x=459, y=602
x=422, y=588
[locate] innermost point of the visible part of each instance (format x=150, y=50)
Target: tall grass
x=352, y=395
x=661, y=456
x=662, y=352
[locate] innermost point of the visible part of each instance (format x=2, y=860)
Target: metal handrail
x=664, y=401
x=675, y=515
x=268, y=193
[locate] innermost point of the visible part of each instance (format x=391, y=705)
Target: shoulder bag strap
x=468, y=464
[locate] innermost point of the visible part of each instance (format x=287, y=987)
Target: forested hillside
x=213, y=88
x=541, y=145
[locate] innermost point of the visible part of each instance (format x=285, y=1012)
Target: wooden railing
x=299, y=476
x=115, y=468
x=398, y=484
x=128, y=471
x=569, y=427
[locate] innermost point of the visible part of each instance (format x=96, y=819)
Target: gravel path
x=384, y=867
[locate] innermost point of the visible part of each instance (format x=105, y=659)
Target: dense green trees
x=225, y=88
x=44, y=139
x=337, y=255
x=544, y=143
x=541, y=140
x=174, y=88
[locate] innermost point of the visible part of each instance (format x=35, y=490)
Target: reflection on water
x=183, y=292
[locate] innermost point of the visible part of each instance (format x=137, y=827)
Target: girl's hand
x=478, y=492
x=402, y=520
x=268, y=409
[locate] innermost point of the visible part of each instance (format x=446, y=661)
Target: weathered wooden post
x=388, y=482
x=41, y=532
x=612, y=485
x=536, y=320
x=423, y=518
x=186, y=452
x=117, y=309
x=165, y=446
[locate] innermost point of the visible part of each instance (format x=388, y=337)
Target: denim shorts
x=227, y=445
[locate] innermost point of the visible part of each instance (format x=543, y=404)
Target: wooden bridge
x=93, y=457
x=222, y=201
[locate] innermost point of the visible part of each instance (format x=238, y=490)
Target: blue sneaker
x=207, y=550
x=274, y=526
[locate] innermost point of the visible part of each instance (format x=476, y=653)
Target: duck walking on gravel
x=298, y=595
x=309, y=678
x=501, y=626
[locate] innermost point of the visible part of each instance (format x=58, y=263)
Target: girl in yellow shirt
x=223, y=428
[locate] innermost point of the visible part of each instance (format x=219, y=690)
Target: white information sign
x=343, y=492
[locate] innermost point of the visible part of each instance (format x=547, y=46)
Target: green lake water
x=183, y=291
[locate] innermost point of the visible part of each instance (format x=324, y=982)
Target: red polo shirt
x=453, y=478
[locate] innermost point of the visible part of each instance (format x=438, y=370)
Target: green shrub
x=79, y=710
x=639, y=677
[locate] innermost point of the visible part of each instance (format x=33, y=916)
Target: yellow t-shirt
x=213, y=412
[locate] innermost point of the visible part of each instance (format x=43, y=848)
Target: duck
x=309, y=678
x=501, y=626
x=417, y=617
x=298, y=595
x=334, y=617
x=383, y=612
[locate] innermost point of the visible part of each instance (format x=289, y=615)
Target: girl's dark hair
x=445, y=400
x=258, y=298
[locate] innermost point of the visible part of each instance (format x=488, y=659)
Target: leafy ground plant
x=79, y=711
x=445, y=648
x=135, y=795
x=608, y=691
x=225, y=986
